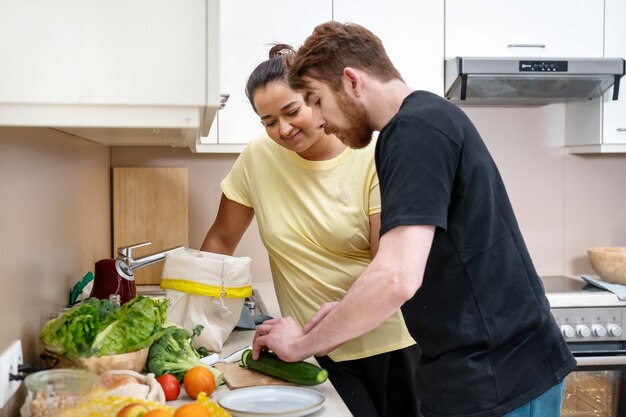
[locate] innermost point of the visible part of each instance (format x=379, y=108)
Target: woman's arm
x=230, y=224
x=374, y=233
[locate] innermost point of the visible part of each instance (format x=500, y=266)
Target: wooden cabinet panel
x=150, y=204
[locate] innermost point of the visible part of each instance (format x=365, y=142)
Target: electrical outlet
x=10, y=361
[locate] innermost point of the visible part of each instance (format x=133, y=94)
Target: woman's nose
x=285, y=128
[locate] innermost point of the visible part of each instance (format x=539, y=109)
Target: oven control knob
x=614, y=330
x=567, y=331
x=598, y=330
x=583, y=330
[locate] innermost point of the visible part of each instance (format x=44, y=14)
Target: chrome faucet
x=125, y=254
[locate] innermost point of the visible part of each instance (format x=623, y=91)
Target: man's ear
x=353, y=83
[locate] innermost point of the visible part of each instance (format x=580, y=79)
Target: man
x=451, y=254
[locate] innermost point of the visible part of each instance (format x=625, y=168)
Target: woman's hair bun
x=281, y=49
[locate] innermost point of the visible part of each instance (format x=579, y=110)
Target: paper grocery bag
x=208, y=289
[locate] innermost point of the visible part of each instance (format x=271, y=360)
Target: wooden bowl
x=609, y=263
x=134, y=361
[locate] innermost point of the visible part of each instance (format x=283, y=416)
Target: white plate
x=272, y=400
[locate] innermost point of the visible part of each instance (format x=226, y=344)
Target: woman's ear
x=353, y=83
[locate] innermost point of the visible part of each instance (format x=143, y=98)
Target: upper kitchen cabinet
x=412, y=33
x=599, y=126
x=498, y=28
x=248, y=30
x=142, y=72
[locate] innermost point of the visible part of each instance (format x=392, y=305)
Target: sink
x=253, y=312
x=150, y=291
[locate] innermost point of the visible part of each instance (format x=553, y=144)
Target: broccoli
x=173, y=354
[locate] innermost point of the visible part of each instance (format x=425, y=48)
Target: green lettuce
x=72, y=333
x=99, y=327
x=138, y=323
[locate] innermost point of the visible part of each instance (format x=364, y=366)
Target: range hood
x=530, y=81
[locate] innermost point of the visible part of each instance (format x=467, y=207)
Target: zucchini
x=301, y=373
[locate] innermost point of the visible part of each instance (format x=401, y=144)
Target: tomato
x=170, y=385
x=199, y=379
x=191, y=410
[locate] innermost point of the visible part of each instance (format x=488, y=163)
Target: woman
x=318, y=210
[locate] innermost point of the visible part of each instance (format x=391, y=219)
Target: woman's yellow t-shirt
x=313, y=218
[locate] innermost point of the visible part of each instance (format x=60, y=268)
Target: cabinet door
x=112, y=52
x=554, y=28
x=412, y=32
x=614, y=126
x=248, y=29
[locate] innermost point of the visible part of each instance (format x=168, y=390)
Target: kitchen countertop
x=333, y=405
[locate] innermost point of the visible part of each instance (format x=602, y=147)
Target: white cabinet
x=599, y=126
x=248, y=29
x=118, y=72
x=554, y=28
x=412, y=33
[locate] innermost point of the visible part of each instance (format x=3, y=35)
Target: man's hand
x=278, y=335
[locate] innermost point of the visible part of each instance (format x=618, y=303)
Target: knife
x=214, y=358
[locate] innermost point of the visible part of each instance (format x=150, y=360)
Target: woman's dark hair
x=274, y=69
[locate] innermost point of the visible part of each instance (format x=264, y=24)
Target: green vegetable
x=137, y=324
x=302, y=373
x=71, y=333
x=173, y=354
x=99, y=327
x=201, y=350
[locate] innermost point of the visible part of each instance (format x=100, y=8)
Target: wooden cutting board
x=238, y=377
x=150, y=205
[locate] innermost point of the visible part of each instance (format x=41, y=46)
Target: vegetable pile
x=173, y=354
x=99, y=327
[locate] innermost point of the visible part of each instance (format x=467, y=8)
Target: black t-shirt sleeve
x=416, y=163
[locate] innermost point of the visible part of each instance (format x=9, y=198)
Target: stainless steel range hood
x=530, y=81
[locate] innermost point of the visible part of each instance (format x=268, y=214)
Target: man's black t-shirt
x=489, y=343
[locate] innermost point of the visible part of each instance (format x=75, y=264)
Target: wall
x=205, y=171
x=54, y=225
x=564, y=203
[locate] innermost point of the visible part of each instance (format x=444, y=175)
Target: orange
x=199, y=379
x=158, y=413
x=191, y=410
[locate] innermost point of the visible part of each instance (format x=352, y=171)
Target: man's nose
x=318, y=121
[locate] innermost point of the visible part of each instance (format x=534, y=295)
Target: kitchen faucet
x=125, y=255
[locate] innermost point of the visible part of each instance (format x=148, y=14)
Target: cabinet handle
x=526, y=45
x=621, y=129
x=223, y=99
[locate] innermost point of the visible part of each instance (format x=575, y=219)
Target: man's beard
x=357, y=133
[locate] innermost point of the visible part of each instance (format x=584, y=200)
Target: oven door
x=597, y=388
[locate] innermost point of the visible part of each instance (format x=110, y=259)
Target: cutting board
x=238, y=377
x=150, y=205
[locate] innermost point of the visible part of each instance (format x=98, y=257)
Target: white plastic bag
x=208, y=289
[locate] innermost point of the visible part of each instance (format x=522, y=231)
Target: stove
x=592, y=321
x=585, y=313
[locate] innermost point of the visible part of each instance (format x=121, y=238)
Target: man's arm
x=392, y=278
